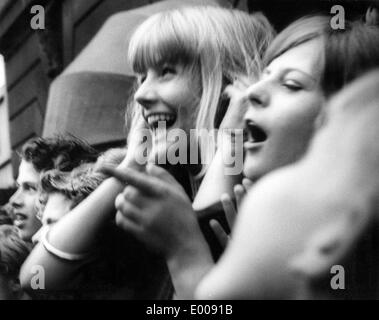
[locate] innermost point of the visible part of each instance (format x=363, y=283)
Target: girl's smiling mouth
x=154, y=118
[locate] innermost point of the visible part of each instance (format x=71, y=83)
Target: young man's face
x=24, y=201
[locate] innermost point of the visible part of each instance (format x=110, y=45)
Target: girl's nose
x=146, y=94
x=257, y=94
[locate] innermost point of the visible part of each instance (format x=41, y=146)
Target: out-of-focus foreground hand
x=155, y=208
x=306, y=217
x=230, y=210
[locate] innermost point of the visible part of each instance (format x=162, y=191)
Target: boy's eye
x=29, y=187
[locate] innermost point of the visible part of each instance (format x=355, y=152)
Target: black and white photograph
x=203, y=151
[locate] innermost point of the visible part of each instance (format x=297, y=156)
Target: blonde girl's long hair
x=221, y=44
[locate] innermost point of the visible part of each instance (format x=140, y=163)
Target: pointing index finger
x=137, y=179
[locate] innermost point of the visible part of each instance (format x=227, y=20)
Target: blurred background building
x=6, y=178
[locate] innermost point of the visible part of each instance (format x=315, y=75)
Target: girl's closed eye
x=292, y=85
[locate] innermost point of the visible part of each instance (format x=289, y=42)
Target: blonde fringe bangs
x=164, y=38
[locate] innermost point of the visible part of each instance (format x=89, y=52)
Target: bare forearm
x=219, y=170
x=42, y=270
x=85, y=221
x=189, y=266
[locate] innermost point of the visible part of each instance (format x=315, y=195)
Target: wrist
x=188, y=267
x=193, y=253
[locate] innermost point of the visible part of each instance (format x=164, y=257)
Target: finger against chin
x=239, y=192
x=247, y=183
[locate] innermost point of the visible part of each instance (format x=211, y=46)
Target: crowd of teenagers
x=250, y=171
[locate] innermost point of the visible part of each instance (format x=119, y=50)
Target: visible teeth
x=153, y=119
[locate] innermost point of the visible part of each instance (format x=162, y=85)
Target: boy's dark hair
x=75, y=185
x=62, y=153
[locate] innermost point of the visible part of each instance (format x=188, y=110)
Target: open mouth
x=255, y=133
x=19, y=218
x=154, y=119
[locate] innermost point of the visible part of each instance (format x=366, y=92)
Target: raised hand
x=155, y=208
x=233, y=118
x=230, y=210
x=139, y=145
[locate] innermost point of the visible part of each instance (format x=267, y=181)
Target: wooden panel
x=22, y=60
x=88, y=27
x=26, y=124
x=12, y=14
x=15, y=161
x=33, y=85
x=67, y=31
x=81, y=7
x=5, y=5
